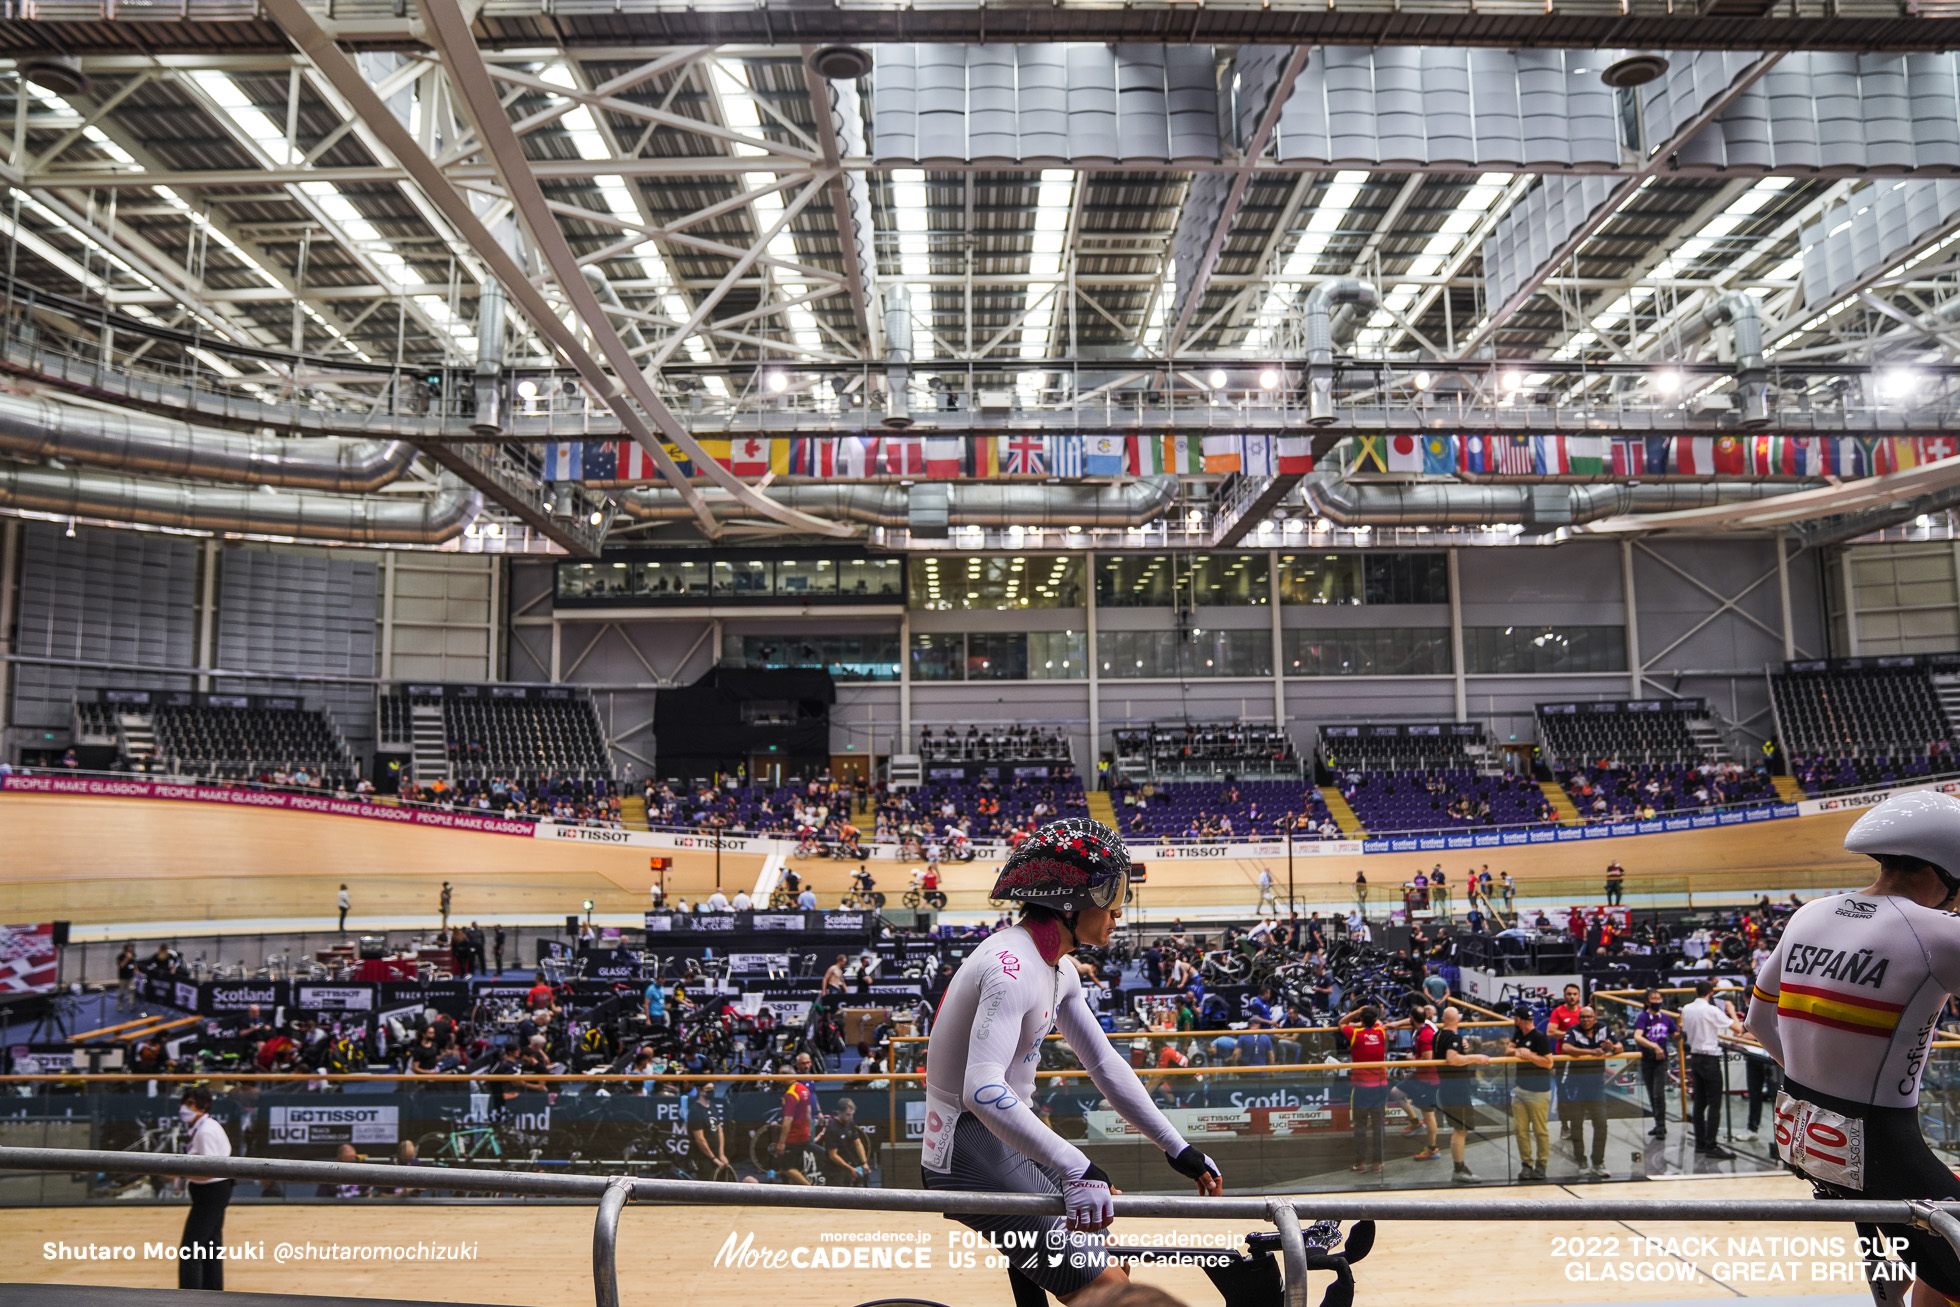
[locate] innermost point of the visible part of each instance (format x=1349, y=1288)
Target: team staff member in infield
x=981, y=1133
x=1848, y=1004
x=198, y=1264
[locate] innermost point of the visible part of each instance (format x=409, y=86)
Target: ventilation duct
x=1745, y=316
x=1541, y=507
x=131, y=442
x=898, y=354
x=1321, y=301
x=490, y=312
x=348, y=518
x=986, y=504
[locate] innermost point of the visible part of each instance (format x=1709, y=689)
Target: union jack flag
x=1024, y=456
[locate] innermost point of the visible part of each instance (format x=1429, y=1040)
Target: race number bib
x=942, y=1114
x=1819, y=1142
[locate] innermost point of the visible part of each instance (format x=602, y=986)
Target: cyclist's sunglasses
x=1106, y=892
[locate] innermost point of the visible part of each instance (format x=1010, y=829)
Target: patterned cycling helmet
x=1067, y=865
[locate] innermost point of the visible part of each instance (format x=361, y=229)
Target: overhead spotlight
x=598, y=517
x=1633, y=68
x=776, y=382
x=1268, y=378
x=1896, y=382
x=59, y=73
x=1075, y=530
x=1424, y=381
x=840, y=63
x=1667, y=381
x=1513, y=380
x=1217, y=379
x=1194, y=516
x=527, y=389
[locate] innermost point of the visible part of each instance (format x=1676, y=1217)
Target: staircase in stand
x=1947, y=689
x=1102, y=809
x=1337, y=808
x=1787, y=789
x=1707, y=739
x=633, y=811
x=1568, y=812
x=428, y=746
x=137, y=736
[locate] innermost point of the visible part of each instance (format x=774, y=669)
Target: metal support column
x=1095, y=679
x=1456, y=637
x=207, y=603
x=388, y=616
x=9, y=564
x=557, y=648
x=1279, y=643
x=1851, y=641
x=492, y=663
x=1629, y=603
x=904, y=741
x=1783, y=593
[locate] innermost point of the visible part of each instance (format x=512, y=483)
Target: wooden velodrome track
x=111, y=860
x=102, y=860
x=541, y=1254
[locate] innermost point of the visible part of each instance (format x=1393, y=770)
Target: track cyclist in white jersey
x=1847, y=1005
x=982, y=1133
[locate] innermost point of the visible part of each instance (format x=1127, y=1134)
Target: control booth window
x=871, y=578
x=1527, y=649
x=1135, y=581
x=1228, y=580
x=1202, y=652
x=996, y=656
x=1058, y=655
x=938, y=657
x=742, y=576
x=799, y=577
x=672, y=578
x=1374, y=651
x=847, y=657
x=995, y=582
x=1320, y=578
x=1407, y=578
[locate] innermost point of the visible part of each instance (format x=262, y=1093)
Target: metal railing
x=1285, y=1213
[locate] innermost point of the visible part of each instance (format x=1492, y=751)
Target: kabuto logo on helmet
x=1067, y=865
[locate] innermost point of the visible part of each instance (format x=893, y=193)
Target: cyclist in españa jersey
x=981, y=1133
x=1847, y=1005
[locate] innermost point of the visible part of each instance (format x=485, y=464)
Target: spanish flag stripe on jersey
x=1837, y=1010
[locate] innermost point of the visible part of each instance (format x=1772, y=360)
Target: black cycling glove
x=1193, y=1163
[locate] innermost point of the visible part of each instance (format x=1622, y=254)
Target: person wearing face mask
x=198, y=1264
x=1654, y=1031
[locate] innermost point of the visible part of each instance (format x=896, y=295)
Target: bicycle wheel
x=431, y=1146
x=911, y=899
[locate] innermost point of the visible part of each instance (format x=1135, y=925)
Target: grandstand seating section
x=1422, y=800
x=526, y=740
x=1180, y=808
x=992, y=743
x=248, y=742
x=1398, y=753
x=1167, y=751
x=1624, y=789
x=1582, y=739
x=1846, y=728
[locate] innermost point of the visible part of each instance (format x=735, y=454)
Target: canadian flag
x=748, y=456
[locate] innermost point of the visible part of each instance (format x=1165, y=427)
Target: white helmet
x=1923, y=825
